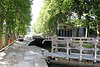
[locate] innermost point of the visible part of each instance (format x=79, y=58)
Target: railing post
x=95, y=50
x=67, y=49
x=56, y=45
x=81, y=49
x=56, y=49
x=52, y=47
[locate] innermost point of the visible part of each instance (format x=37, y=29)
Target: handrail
x=72, y=41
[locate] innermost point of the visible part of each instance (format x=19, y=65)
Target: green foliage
x=61, y=11
x=53, y=12
x=17, y=14
x=88, y=46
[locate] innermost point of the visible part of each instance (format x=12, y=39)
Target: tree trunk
x=6, y=34
x=69, y=18
x=87, y=26
x=63, y=17
x=17, y=35
x=98, y=29
x=87, y=31
x=14, y=35
x=77, y=32
x=1, y=30
x=79, y=17
x=11, y=35
x=3, y=40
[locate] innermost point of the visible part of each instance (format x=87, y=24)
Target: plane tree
x=2, y=16
x=53, y=12
x=56, y=11
x=17, y=17
x=96, y=13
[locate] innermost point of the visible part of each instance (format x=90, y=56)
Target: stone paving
x=21, y=55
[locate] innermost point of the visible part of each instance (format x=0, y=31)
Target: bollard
x=10, y=41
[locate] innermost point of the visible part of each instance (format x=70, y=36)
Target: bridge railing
x=75, y=47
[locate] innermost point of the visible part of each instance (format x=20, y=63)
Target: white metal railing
x=77, y=43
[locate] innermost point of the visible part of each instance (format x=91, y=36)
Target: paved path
x=21, y=55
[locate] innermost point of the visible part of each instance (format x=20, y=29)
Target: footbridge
x=80, y=48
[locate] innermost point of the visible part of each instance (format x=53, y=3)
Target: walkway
x=21, y=55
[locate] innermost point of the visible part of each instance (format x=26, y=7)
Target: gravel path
x=22, y=55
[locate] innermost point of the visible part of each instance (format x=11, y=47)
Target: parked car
x=20, y=38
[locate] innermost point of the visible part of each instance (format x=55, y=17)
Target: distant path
x=22, y=55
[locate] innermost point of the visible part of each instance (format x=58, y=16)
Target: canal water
x=58, y=65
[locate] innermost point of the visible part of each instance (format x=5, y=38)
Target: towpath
x=22, y=55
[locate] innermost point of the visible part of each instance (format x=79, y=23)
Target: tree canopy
x=61, y=11
x=15, y=15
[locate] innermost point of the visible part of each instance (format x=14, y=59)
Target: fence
x=74, y=48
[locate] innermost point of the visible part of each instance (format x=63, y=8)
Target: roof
x=65, y=24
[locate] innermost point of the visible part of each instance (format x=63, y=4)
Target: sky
x=36, y=7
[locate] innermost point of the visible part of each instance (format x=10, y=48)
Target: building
x=64, y=30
